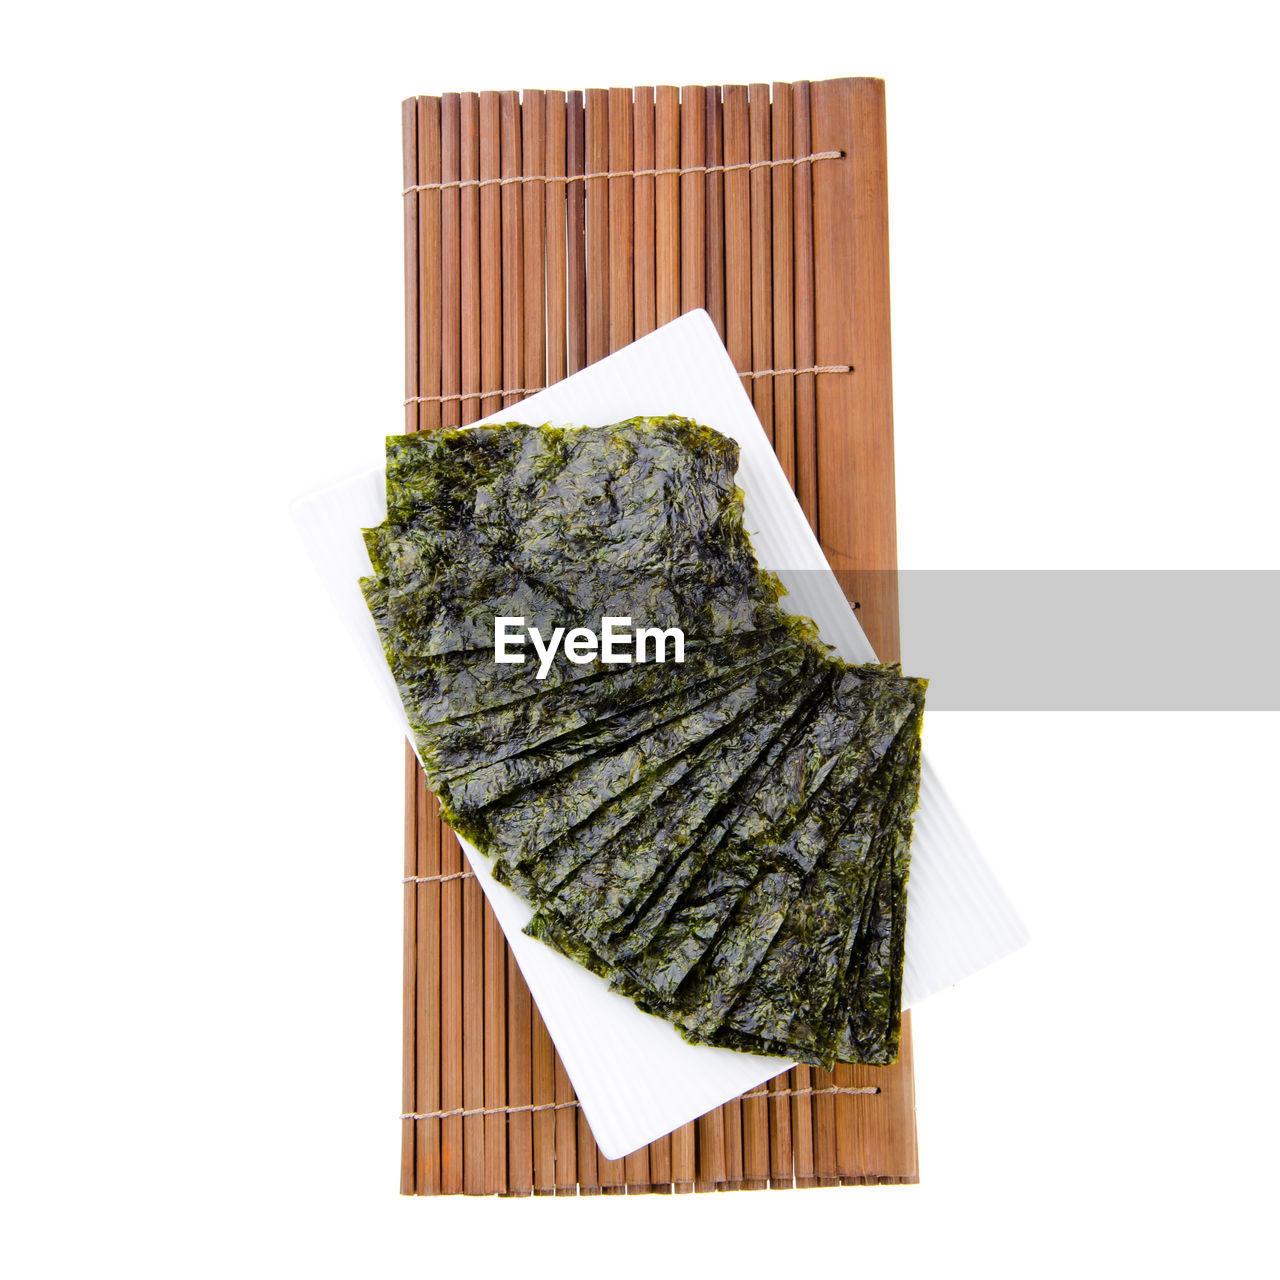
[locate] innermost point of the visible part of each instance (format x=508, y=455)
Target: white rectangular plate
x=635, y=1077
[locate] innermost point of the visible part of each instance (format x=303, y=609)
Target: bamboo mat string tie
x=560, y=1106
x=781, y=373
x=453, y=875
x=528, y=391
x=564, y=180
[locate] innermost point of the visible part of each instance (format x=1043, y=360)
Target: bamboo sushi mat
x=544, y=230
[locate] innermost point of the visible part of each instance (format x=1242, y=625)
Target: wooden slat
x=450, y=262
x=904, y=1153
x=756, y=1162
x=799, y=275
x=576, y=215
x=714, y=153
x=621, y=221
x=683, y=1158
x=426, y=1097
x=833, y=306
x=601, y=289
x=781, y=1166
x=667, y=196
x=714, y=267
x=469, y=214
x=806, y=392
x=824, y=1130
x=544, y=1095
x=408, y=1094
x=491, y=360
x=584, y=1151
x=597, y=136
x=857, y=531
x=409, y=133
x=429, y=262
x=755, y=1141
x=621, y=332
x=761, y=256
x=427, y=1019
x=802, y=1126
x=490, y=251
x=519, y=1081
x=711, y=1171
x=783, y=301
x=693, y=290
x=564, y=1120
x=851, y=303
x=737, y=228
x=731, y=1122
x=428, y=987
x=451, y=862
x=849, y=1155
x=519, y=1084
x=557, y=202
x=660, y=1165
x=567, y=1166
x=782, y=433
x=495, y=1053
x=474, y=1179
x=473, y=903
x=783, y=1104
x=511, y=200
x=533, y=121
x=693, y=197
x=646, y=284
x=451, y=1015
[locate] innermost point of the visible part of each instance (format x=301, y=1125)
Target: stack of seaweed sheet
x=725, y=839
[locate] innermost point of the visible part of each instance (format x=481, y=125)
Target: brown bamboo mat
x=544, y=230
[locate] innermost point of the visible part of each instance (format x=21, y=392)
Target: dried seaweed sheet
x=447, y=688
x=757, y=837
x=536, y=816
x=461, y=610
x=626, y=937
x=794, y=998
x=633, y=934
x=723, y=972
x=599, y=897
x=450, y=747
x=624, y=840
x=696, y=1002
x=726, y=840
x=569, y=492
x=639, y=727
x=588, y=522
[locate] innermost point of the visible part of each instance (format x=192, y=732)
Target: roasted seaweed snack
x=612, y=749
x=623, y=696
x=724, y=838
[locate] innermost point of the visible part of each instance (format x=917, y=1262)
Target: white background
x=201, y=900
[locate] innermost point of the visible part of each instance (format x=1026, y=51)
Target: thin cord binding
x=454, y=875
x=560, y=1106
x=528, y=391
x=812, y=368
x=473, y=395
x=488, y=1111
x=516, y=179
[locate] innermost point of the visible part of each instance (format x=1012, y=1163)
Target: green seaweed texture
x=725, y=840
